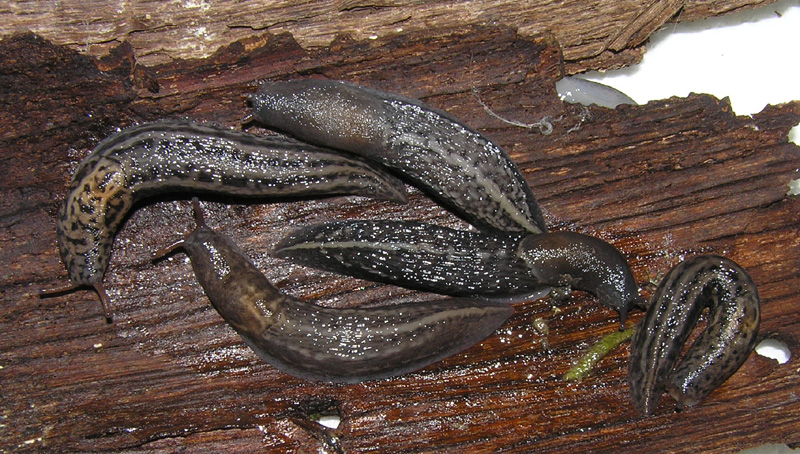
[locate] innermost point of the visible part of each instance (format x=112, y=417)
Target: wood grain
x=599, y=34
x=660, y=181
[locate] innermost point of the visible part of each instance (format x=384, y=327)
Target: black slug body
x=165, y=157
x=414, y=255
x=703, y=281
x=453, y=262
x=584, y=263
x=332, y=344
x=457, y=166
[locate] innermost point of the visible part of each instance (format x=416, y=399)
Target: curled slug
x=330, y=344
x=454, y=164
x=703, y=281
x=438, y=259
x=170, y=156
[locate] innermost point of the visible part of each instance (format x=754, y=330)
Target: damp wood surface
x=599, y=34
x=660, y=181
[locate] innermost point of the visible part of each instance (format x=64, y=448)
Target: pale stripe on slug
x=443, y=260
x=463, y=170
x=180, y=156
x=415, y=255
x=700, y=282
x=331, y=344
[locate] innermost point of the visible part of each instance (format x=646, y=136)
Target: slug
x=575, y=90
x=582, y=262
x=732, y=298
x=463, y=170
x=442, y=260
x=330, y=344
x=174, y=156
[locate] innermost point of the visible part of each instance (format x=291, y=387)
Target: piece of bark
x=659, y=181
x=594, y=35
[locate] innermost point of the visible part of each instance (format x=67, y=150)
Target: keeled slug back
x=416, y=255
x=432, y=258
x=454, y=164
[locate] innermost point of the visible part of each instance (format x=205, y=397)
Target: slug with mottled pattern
x=180, y=156
x=342, y=345
x=734, y=314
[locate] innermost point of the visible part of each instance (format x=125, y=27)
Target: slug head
x=324, y=112
x=90, y=216
x=584, y=263
x=237, y=289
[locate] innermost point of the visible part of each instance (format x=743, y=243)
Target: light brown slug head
x=87, y=221
x=238, y=290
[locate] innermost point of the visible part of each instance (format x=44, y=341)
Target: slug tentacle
x=703, y=281
x=170, y=156
x=460, y=168
x=453, y=262
x=344, y=345
x=98, y=287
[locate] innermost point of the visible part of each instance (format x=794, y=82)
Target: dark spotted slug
x=704, y=281
x=454, y=164
x=330, y=344
x=442, y=260
x=169, y=156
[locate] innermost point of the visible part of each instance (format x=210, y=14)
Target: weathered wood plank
x=595, y=35
x=662, y=180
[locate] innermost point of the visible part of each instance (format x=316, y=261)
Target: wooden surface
x=660, y=181
x=598, y=34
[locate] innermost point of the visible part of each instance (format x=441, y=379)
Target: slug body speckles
x=703, y=281
x=164, y=157
x=331, y=344
x=442, y=260
x=454, y=164
x=414, y=255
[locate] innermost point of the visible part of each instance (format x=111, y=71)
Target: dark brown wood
x=659, y=181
